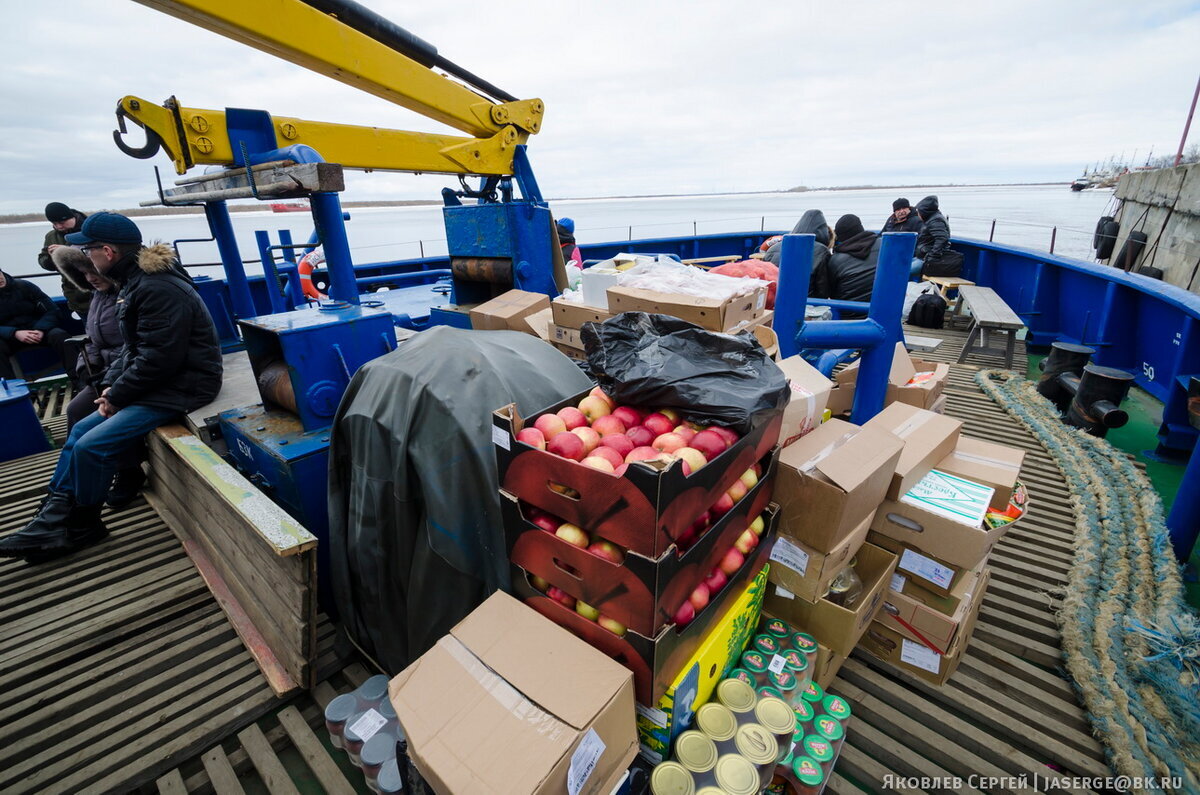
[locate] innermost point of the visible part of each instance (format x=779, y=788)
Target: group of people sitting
x=845, y=256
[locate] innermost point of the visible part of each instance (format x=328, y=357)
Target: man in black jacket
x=903, y=218
x=852, y=266
x=934, y=238
x=63, y=221
x=171, y=364
x=28, y=319
x=812, y=222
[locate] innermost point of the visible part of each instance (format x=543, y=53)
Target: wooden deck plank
x=315, y=756
x=220, y=772
x=269, y=768
x=171, y=784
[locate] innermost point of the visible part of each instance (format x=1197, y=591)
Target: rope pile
x=1130, y=641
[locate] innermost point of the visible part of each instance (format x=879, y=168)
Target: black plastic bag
x=664, y=362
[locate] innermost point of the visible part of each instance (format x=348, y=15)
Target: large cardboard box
x=806, y=573
x=537, y=324
x=505, y=311
x=927, y=437
x=658, y=726
x=915, y=382
x=480, y=717
x=810, y=392
x=826, y=666
x=914, y=657
x=570, y=337
x=569, y=314
x=832, y=479
x=834, y=626
x=992, y=465
x=931, y=618
x=729, y=314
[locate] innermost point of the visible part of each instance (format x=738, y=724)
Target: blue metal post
x=1184, y=521
x=235, y=275
x=791, y=295
x=327, y=215
x=274, y=291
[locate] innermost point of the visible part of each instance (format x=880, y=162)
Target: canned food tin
x=768, y=645
x=836, y=706
x=742, y=675
x=739, y=697
x=777, y=629
x=812, y=693
x=808, y=771
x=718, y=722
x=756, y=663
x=817, y=747
x=785, y=682
x=337, y=712
x=830, y=728
x=736, y=775
x=804, y=642
x=767, y=691
x=759, y=747
x=776, y=716
x=710, y=791
x=671, y=778
x=698, y=755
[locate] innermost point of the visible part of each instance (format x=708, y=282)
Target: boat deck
x=118, y=671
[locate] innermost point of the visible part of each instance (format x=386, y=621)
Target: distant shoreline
x=19, y=218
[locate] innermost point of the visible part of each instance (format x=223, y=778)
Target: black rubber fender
x=1128, y=256
x=1107, y=239
x=1151, y=271
x=1099, y=235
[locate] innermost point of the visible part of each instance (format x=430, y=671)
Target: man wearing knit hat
x=902, y=219
x=64, y=220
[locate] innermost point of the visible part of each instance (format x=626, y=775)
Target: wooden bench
x=989, y=313
x=944, y=285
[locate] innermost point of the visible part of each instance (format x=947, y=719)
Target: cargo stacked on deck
x=664, y=577
x=912, y=381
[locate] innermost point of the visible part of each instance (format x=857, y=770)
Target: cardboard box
x=569, y=352
x=932, y=619
x=914, y=657
x=939, y=405
x=655, y=661
x=914, y=382
x=658, y=726
x=506, y=311
x=572, y=315
x=841, y=397
x=480, y=718
x=927, y=437
x=710, y=313
x=647, y=508
x=570, y=337
x=805, y=572
x=832, y=479
x=826, y=666
x=834, y=626
x=992, y=465
x=642, y=592
x=537, y=324
x=810, y=392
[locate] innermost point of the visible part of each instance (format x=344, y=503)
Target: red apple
x=593, y=407
x=546, y=522
x=683, y=465
x=746, y=542
x=600, y=393
x=729, y=436
x=750, y=479
x=716, y=580
x=642, y=454
x=670, y=414
x=722, y=506
x=758, y=525
x=737, y=490
x=684, y=615
x=600, y=463
x=607, y=550
x=532, y=437
x=658, y=424
x=687, y=539
x=608, y=454
x=539, y=583
x=567, y=445
x=550, y=425
x=613, y=626
x=699, y=597
x=684, y=431
x=566, y=491
x=608, y=425
x=620, y=471
x=561, y=596
x=628, y=415
x=668, y=442
x=757, y=469
x=640, y=435
x=619, y=442
x=703, y=521
x=694, y=457
x=587, y=611
x=573, y=534
x=572, y=417
x=732, y=561
x=590, y=438
x=709, y=443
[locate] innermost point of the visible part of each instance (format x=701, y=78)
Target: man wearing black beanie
x=64, y=220
x=902, y=219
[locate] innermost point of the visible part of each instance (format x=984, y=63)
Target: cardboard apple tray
x=647, y=508
x=642, y=593
x=655, y=661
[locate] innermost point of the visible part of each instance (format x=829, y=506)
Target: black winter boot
x=47, y=531
x=82, y=528
x=125, y=487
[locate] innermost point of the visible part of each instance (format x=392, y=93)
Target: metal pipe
x=791, y=296
x=327, y=216
x=221, y=227
x=1053, y=237
x=274, y=288
x=992, y=234
x=403, y=278
x=887, y=304
x=1188, y=124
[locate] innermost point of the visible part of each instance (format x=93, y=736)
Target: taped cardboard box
x=569, y=337
x=914, y=657
x=480, y=718
x=805, y=572
x=914, y=382
x=569, y=314
x=927, y=438
x=506, y=311
x=832, y=479
x=922, y=615
x=834, y=626
x=809, y=394
x=826, y=666
x=537, y=324
x=711, y=313
x=986, y=463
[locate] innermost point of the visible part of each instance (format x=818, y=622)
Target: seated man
x=171, y=364
x=934, y=239
x=28, y=319
x=902, y=219
x=812, y=222
x=852, y=266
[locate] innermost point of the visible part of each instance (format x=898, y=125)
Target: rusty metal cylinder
x=275, y=386
x=492, y=270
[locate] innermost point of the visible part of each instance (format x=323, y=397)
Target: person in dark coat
x=853, y=262
x=103, y=329
x=28, y=319
x=170, y=364
x=902, y=219
x=934, y=237
x=812, y=222
x=64, y=220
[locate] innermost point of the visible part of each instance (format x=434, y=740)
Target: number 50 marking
x=1148, y=370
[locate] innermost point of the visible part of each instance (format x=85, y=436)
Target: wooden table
x=944, y=285
x=989, y=313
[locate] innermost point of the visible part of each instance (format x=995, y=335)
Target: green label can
x=813, y=693
x=836, y=706
x=817, y=747
x=804, y=642
x=777, y=629
x=767, y=644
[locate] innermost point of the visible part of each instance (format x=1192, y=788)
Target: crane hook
x=147, y=150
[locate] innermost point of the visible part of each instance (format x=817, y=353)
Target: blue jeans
x=94, y=450
x=914, y=270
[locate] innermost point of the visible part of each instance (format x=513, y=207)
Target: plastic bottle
x=846, y=587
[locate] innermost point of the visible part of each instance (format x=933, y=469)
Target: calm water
x=1025, y=216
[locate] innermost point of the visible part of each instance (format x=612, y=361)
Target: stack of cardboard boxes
x=913, y=381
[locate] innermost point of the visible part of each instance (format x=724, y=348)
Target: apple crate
x=642, y=593
x=655, y=660
x=644, y=510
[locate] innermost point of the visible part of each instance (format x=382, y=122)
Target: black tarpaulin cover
x=416, y=540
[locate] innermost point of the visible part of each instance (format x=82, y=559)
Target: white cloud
x=649, y=97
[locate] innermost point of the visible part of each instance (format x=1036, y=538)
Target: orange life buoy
x=305, y=268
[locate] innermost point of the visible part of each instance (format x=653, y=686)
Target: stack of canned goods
x=364, y=725
x=778, y=661
x=820, y=731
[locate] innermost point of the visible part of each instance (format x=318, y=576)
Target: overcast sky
x=648, y=97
